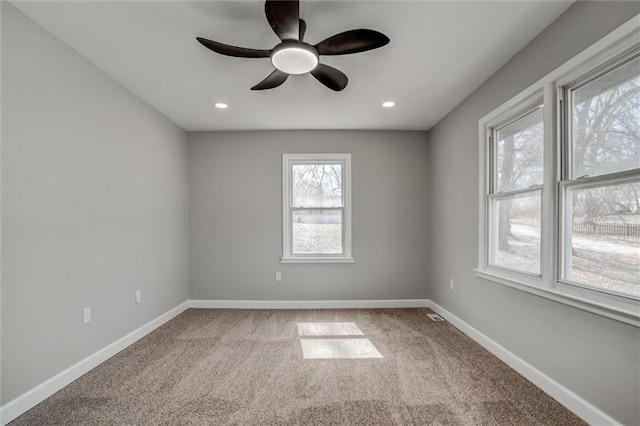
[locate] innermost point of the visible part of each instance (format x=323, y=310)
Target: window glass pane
x=515, y=232
x=317, y=231
x=519, y=153
x=603, y=246
x=317, y=185
x=605, y=116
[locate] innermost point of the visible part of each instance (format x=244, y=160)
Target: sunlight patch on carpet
x=328, y=329
x=338, y=349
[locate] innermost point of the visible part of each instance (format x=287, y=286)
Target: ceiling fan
x=293, y=55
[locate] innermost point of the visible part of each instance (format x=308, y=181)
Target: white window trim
x=523, y=108
x=548, y=285
x=287, y=256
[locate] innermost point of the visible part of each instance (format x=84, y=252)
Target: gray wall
x=235, y=219
x=94, y=207
x=94, y=197
x=596, y=357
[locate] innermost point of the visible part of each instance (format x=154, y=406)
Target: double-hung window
x=316, y=208
x=560, y=183
x=515, y=190
x=600, y=178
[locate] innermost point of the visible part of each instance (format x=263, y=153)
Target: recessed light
x=388, y=104
x=221, y=105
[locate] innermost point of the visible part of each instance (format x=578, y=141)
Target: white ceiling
x=440, y=51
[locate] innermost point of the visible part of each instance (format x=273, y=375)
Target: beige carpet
x=246, y=367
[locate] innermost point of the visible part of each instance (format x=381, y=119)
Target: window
x=316, y=208
x=514, y=199
x=560, y=183
x=600, y=188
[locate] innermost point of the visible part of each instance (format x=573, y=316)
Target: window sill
x=616, y=308
x=324, y=259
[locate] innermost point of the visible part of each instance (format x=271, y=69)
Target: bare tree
x=520, y=158
x=606, y=138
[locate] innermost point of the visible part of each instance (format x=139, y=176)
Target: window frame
x=564, y=89
x=617, y=178
x=523, y=109
x=603, y=55
x=288, y=161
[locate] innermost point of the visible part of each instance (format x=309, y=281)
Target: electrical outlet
x=138, y=296
x=86, y=315
x=278, y=276
x=451, y=283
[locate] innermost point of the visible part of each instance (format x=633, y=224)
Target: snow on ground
x=603, y=261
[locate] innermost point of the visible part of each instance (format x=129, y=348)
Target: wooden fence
x=620, y=229
x=600, y=228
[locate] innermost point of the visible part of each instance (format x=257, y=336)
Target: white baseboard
x=566, y=397
x=33, y=397
x=581, y=407
x=308, y=304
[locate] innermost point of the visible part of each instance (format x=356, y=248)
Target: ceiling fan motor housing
x=294, y=57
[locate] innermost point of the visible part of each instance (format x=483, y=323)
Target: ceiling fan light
x=294, y=59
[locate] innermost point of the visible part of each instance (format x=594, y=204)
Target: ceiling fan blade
x=330, y=77
x=352, y=41
x=239, y=52
x=303, y=29
x=284, y=18
x=275, y=79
